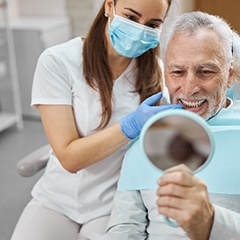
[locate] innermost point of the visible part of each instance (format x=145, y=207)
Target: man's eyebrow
x=200, y=66
x=140, y=15
x=208, y=65
x=174, y=66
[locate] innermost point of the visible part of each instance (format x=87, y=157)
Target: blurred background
x=27, y=27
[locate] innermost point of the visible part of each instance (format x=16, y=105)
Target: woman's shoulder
x=66, y=51
x=70, y=44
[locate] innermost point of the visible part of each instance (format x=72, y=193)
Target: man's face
x=196, y=73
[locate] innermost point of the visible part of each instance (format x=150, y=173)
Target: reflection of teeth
x=192, y=104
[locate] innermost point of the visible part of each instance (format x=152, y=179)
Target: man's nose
x=191, y=84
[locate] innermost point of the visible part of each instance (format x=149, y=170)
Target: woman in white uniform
x=88, y=92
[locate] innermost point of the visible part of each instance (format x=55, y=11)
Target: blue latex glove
x=132, y=124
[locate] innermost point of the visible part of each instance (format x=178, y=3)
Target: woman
x=86, y=91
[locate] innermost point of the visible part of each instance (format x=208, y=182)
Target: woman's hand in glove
x=132, y=124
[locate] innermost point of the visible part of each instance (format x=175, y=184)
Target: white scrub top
x=59, y=79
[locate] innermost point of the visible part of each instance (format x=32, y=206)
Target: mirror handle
x=170, y=222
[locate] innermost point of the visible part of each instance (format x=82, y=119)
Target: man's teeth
x=191, y=104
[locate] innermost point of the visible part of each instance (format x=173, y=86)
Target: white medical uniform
x=59, y=79
x=64, y=202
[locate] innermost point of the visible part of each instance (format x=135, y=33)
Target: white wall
x=81, y=15
x=37, y=8
x=81, y=12
x=59, y=7
x=96, y=5
x=13, y=8
x=42, y=7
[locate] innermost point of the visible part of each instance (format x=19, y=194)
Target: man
x=198, y=64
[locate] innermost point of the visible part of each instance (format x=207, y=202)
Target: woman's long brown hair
x=99, y=76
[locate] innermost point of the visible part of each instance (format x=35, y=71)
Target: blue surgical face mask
x=131, y=39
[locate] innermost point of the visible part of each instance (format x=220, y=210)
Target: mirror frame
x=179, y=113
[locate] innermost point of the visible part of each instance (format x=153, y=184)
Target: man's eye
x=177, y=73
x=205, y=73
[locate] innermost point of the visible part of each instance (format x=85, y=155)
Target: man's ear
x=230, y=76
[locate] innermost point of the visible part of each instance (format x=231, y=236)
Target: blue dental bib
x=222, y=173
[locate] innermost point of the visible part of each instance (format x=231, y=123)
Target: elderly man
x=198, y=64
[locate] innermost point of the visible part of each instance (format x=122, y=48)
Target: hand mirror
x=176, y=137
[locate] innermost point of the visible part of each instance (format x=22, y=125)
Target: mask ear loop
x=113, y=9
x=232, y=52
x=106, y=15
x=236, y=65
x=232, y=44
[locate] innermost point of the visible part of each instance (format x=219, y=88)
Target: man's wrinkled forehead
x=201, y=49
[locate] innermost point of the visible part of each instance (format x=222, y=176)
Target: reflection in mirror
x=176, y=139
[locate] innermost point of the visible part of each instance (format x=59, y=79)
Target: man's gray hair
x=190, y=23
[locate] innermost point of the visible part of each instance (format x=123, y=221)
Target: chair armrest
x=34, y=162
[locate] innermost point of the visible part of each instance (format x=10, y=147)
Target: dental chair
x=34, y=162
